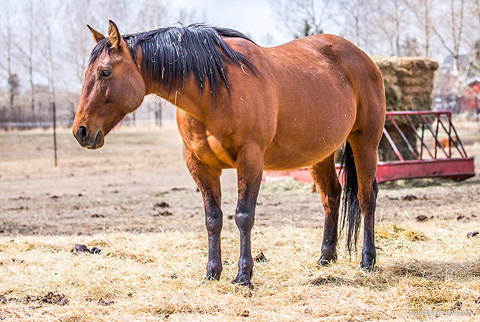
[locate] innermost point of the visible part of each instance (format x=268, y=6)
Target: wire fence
x=66, y=124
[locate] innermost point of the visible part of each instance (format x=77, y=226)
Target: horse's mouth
x=98, y=142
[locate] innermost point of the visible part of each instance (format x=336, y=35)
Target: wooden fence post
x=54, y=116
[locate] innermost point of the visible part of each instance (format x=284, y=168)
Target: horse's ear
x=97, y=36
x=114, y=35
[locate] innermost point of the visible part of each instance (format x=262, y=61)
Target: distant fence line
x=63, y=123
x=31, y=124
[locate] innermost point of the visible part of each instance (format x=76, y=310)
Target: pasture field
x=135, y=201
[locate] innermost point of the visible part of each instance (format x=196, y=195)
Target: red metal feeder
x=453, y=162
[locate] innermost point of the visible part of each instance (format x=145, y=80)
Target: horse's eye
x=105, y=73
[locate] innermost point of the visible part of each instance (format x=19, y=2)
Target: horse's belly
x=306, y=143
x=283, y=159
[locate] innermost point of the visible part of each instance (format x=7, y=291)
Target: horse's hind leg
x=325, y=176
x=208, y=182
x=364, y=149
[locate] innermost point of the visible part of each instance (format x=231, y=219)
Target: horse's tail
x=350, y=213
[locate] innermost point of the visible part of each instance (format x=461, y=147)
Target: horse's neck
x=187, y=99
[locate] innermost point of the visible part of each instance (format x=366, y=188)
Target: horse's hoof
x=243, y=283
x=243, y=278
x=367, y=269
x=212, y=277
x=325, y=261
x=368, y=265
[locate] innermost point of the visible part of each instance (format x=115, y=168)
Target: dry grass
x=151, y=277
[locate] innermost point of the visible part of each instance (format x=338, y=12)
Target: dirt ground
x=117, y=187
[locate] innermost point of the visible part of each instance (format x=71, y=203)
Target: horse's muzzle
x=88, y=141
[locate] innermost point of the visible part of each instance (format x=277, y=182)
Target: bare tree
x=389, y=22
x=50, y=46
x=121, y=11
x=302, y=17
x=50, y=63
x=151, y=15
x=26, y=57
x=30, y=54
x=6, y=32
x=449, y=27
x=80, y=41
x=422, y=11
x=355, y=19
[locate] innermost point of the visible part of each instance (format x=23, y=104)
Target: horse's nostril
x=82, y=132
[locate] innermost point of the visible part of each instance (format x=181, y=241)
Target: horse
x=243, y=106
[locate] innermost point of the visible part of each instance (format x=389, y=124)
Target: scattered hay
x=331, y=280
x=394, y=231
x=159, y=276
x=424, y=294
x=437, y=270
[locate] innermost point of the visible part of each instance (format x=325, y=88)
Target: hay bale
x=408, y=82
x=408, y=87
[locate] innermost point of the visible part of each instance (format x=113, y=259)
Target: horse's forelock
x=102, y=46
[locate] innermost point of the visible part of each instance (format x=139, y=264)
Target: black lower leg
x=213, y=222
x=329, y=244
x=369, y=253
x=244, y=221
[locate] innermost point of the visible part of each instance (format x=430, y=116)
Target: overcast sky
x=252, y=17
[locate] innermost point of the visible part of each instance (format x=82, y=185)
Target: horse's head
x=113, y=88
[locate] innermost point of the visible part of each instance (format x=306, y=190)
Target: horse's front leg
x=208, y=182
x=249, y=172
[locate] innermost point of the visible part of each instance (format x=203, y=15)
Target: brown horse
x=250, y=108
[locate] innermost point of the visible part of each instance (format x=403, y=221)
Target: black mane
x=171, y=55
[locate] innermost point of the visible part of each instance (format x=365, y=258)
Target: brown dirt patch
x=118, y=188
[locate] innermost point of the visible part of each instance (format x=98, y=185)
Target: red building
x=471, y=98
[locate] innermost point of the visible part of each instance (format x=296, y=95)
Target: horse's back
x=333, y=55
